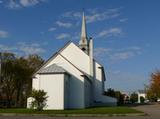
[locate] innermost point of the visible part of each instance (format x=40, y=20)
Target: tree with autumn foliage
x=153, y=90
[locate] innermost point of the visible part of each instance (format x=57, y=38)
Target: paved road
x=153, y=112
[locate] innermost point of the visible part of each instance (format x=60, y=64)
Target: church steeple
x=83, y=31
x=83, y=43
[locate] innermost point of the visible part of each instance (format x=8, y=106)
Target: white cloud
x=122, y=55
x=31, y=49
x=93, y=15
x=72, y=14
x=12, y=4
x=63, y=24
x=23, y=48
x=15, y=4
x=116, y=55
x=52, y=29
x=3, y=34
x=123, y=20
x=75, y=36
x=63, y=36
x=1, y=1
x=110, y=32
x=42, y=32
x=125, y=53
x=130, y=48
x=99, y=16
x=27, y=3
x=100, y=51
x=6, y=48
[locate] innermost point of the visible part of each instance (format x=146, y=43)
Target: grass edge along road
x=73, y=112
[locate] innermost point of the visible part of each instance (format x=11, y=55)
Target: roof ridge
x=61, y=49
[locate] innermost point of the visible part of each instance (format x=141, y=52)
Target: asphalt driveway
x=153, y=110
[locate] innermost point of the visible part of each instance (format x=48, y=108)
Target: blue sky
x=126, y=33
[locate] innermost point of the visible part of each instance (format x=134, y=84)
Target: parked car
x=146, y=101
x=158, y=100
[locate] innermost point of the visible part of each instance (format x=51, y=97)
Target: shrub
x=40, y=99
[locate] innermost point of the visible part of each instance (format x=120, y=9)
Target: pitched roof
x=52, y=69
x=47, y=61
x=59, y=53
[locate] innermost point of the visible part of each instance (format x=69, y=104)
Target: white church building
x=72, y=78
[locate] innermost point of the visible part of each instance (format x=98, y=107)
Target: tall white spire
x=83, y=43
x=83, y=32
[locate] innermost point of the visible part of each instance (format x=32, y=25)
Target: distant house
x=72, y=78
x=141, y=93
x=126, y=97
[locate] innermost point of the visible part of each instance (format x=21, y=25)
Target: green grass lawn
x=98, y=110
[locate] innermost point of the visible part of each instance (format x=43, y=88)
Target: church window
x=83, y=49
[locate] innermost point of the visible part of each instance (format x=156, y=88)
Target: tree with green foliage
x=142, y=99
x=7, y=76
x=116, y=94
x=25, y=68
x=40, y=98
x=120, y=97
x=134, y=97
x=16, y=77
x=110, y=92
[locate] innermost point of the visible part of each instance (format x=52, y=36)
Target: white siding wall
x=99, y=89
x=76, y=93
x=77, y=57
x=98, y=86
x=88, y=91
x=76, y=83
x=35, y=82
x=66, y=91
x=54, y=86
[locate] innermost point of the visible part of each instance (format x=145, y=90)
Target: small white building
x=141, y=93
x=72, y=78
